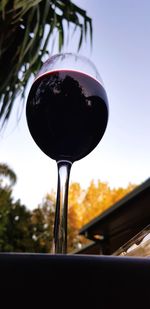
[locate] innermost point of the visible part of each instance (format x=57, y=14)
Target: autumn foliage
x=85, y=205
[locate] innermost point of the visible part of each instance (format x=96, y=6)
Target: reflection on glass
x=139, y=245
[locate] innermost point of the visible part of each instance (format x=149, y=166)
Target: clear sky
x=121, y=53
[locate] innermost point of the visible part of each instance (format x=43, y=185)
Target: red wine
x=67, y=114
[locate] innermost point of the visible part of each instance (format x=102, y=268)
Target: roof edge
x=131, y=195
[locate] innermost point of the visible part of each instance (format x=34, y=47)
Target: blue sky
x=121, y=53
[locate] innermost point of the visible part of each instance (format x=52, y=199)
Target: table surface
x=73, y=280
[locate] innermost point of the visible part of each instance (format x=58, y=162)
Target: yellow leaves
x=95, y=200
x=75, y=209
x=84, y=205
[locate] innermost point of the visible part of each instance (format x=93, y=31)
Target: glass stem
x=60, y=224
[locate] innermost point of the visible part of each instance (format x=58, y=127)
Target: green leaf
x=81, y=38
x=27, y=39
x=2, y=7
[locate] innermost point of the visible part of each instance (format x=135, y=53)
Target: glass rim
x=51, y=61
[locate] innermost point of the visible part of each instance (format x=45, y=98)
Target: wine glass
x=67, y=114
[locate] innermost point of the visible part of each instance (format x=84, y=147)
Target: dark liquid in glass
x=67, y=114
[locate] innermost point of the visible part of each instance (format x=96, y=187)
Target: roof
x=123, y=220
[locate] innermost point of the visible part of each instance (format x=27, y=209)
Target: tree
x=26, y=30
x=43, y=224
x=21, y=230
x=85, y=205
x=7, y=172
x=15, y=231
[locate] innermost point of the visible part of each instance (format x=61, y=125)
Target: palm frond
x=6, y=171
x=24, y=42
